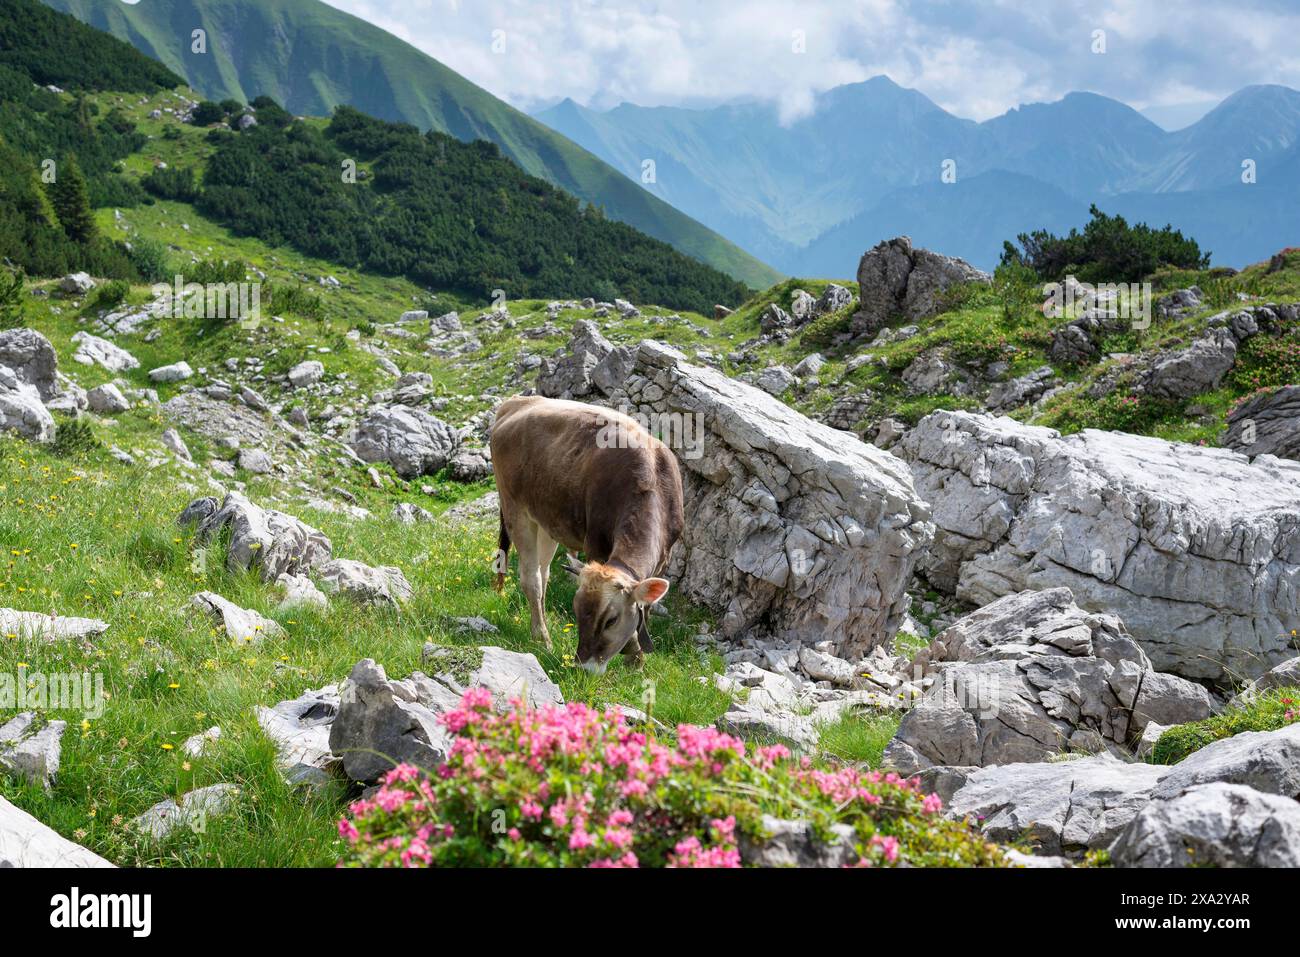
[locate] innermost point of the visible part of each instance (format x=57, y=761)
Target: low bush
x=1270, y=711
x=571, y=786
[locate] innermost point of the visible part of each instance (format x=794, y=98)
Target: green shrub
x=172, y=182
x=150, y=259
x=207, y=113
x=215, y=271
x=298, y=299
x=1265, y=362
x=1270, y=711
x=12, y=298
x=1017, y=290
x=1108, y=250
x=74, y=438
x=1117, y=412
x=108, y=294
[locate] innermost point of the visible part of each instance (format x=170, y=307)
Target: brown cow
x=595, y=481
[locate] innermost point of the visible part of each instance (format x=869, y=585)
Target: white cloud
x=976, y=58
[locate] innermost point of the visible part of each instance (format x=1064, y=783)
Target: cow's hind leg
x=536, y=549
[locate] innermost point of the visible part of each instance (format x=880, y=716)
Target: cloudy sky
x=976, y=58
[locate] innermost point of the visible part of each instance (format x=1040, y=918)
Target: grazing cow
x=593, y=480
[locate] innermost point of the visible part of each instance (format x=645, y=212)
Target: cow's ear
x=649, y=590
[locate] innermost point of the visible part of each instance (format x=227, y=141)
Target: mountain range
x=310, y=58
x=806, y=197
x=866, y=164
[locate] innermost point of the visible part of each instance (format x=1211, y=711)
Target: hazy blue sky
x=975, y=58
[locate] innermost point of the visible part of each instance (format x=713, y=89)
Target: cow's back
x=554, y=461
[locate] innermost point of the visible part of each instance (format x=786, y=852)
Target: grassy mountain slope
x=310, y=57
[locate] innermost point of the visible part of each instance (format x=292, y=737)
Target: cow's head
x=609, y=606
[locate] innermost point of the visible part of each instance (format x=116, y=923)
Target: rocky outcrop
x=571, y=375
x=1197, y=368
x=1031, y=676
x=1197, y=550
x=1285, y=675
x=411, y=440
x=796, y=844
x=1267, y=423
x=509, y=675
x=899, y=281
x=175, y=372
x=792, y=528
x=26, y=842
x=1213, y=825
x=273, y=542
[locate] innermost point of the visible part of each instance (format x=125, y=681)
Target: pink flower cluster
x=574, y=786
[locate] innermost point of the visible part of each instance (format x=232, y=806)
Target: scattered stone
x=411, y=440
x=76, y=284
x=255, y=461
x=407, y=513
x=175, y=372
x=35, y=624
x=275, y=542
x=795, y=844
x=507, y=674
x=306, y=373
x=243, y=625
x=29, y=752
x=193, y=811
x=300, y=730
x=92, y=350
x=107, y=399
x=299, y=592
x=172, y=441
x=364, y=583
x=197, y=745
x=31, y=359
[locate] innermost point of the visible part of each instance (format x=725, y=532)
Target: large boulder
x=26, y=842
x=1062, y=807
x=792, y=528
x=1199, y=367
x=411, y=440
x=897, y=281
x=1267, y=423
x=1212, y=825
x=274, y=542
x=1031, y=676
x=1197, y=550
x=32, y=359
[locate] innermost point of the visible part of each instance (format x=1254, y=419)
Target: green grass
x=1268, y=712
x=858, y=739
x=80, y=539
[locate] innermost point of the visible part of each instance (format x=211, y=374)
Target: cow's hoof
x=499, y=584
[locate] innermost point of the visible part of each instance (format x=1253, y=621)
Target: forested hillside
x=450, y=215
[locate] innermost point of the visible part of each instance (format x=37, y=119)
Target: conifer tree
x=71, y=202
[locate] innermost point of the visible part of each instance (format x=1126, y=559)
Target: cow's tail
x=502, y=560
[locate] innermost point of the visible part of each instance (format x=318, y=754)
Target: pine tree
x=71, y=202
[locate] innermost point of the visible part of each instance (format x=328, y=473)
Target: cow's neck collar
x=624, y=567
